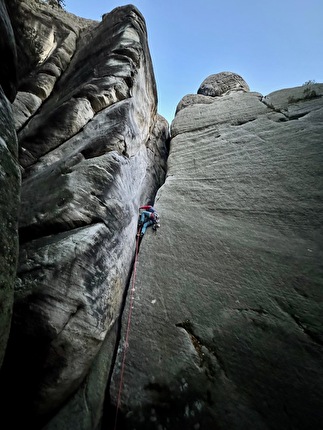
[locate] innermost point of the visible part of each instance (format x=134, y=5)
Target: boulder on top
x=221, y=83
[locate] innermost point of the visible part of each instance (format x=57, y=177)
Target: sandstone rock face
x=226, y=328
x=46, y=40
x=8, y=74
x=9, y=207
x=9, y=179
x=92, y=149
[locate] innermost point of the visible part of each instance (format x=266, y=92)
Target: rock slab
x=226, y=326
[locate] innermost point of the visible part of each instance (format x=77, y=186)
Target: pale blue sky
x=272, y=44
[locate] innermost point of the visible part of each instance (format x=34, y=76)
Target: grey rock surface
x=92, y=150
x=226, y=317
x=45, y=39
x=221, y=83
x=226, y=320
x=9, y=208
x=9, y=178
x=8, y=52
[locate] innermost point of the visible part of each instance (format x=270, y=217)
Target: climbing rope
x=128, y=328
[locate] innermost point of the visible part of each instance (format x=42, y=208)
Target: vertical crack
x=109, y=409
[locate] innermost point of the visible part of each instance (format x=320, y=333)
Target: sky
x=272, y=44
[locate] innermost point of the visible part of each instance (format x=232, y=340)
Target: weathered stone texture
x=221, y=83
x=46, y=41
x=9, y=179
x=92, y=149
x=9, y=208
x=8, y=71
x=226, y=328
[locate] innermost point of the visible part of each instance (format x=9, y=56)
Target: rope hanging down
x=127, y=330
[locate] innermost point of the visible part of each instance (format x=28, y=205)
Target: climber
x=148, y=208
x=147, y=217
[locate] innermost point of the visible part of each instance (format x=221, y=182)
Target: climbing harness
x=126, y=345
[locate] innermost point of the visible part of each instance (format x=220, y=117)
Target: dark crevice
x=259, y=311
x=238, y=123
x=127, y=53
x=273, y=108
x=25, y=124
x=297, y=116
x=28, y=233
x=89, y=152
x=109, y=408
x=21, y=271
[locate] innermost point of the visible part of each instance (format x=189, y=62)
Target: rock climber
x=147, y=217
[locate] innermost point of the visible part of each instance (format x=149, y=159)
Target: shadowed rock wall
x=227, y=317
x=9, y=178
x=92, y=149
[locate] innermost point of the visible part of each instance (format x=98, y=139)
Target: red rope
x=128, y=330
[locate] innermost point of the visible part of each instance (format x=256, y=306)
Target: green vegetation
x=308, y=92
x=310, y=82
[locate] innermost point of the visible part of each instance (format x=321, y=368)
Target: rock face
x=92, y=149
x=226, y=328
x=8, y=72
x=9, y=179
